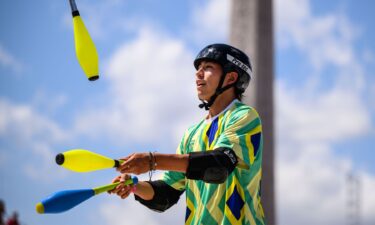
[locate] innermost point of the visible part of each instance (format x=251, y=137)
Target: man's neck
x=221, y=102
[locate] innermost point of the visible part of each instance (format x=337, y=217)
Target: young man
x=219, y=160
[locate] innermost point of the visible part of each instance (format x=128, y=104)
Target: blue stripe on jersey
x=255, y=140
x=212, y=130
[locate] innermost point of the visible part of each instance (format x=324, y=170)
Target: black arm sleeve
x=211, y=166
x=165, y=196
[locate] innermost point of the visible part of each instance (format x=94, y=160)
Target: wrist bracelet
x=152, y=164
x=134, y=188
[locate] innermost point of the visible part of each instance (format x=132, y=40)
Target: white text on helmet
x=238, y=63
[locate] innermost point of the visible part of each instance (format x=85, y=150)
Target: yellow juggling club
x=85, y=48
x=81, y=160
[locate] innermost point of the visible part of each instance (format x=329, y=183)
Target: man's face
x=207, y=79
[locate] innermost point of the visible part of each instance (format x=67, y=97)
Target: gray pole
x=251, y=30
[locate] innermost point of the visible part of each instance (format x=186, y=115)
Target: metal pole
x=251, y=30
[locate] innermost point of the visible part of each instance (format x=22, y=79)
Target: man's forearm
x=171, y=162
x=144, y=190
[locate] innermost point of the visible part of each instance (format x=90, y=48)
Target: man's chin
x=203, y=98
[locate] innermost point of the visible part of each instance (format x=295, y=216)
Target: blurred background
x=324, y=92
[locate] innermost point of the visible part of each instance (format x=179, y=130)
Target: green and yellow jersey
x=237, y=200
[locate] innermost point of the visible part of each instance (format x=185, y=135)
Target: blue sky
x=145, y=99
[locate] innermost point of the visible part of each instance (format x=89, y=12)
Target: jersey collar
x=209, y=120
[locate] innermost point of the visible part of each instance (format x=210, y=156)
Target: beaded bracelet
x=134, y=188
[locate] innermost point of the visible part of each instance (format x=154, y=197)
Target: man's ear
x=232, y=77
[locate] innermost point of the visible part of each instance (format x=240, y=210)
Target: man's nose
x=199, y=73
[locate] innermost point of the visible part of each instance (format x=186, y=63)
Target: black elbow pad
x=165, y=196
x=211, y=166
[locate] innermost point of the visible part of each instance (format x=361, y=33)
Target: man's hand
x=122, y=190
x=136, y=163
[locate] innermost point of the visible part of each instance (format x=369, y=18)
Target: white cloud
x=310, y=190
x=152, y=92
x=328, y=117
x=367, y=184
x=43, y=160
x=29, y=130
x=9, y=61
x=324, y=39
x=24, y=123
x=103, y=27
x=311, y=185
x=96, y=17
x=210, y=22
x=129, y=211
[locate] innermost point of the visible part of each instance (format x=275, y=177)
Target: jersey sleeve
x=242, y=133
x=173, y=178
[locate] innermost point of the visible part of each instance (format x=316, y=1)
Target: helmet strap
x=219, y=90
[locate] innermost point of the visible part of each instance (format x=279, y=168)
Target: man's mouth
x=200, y=83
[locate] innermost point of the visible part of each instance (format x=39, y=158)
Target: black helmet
x=231, y=59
